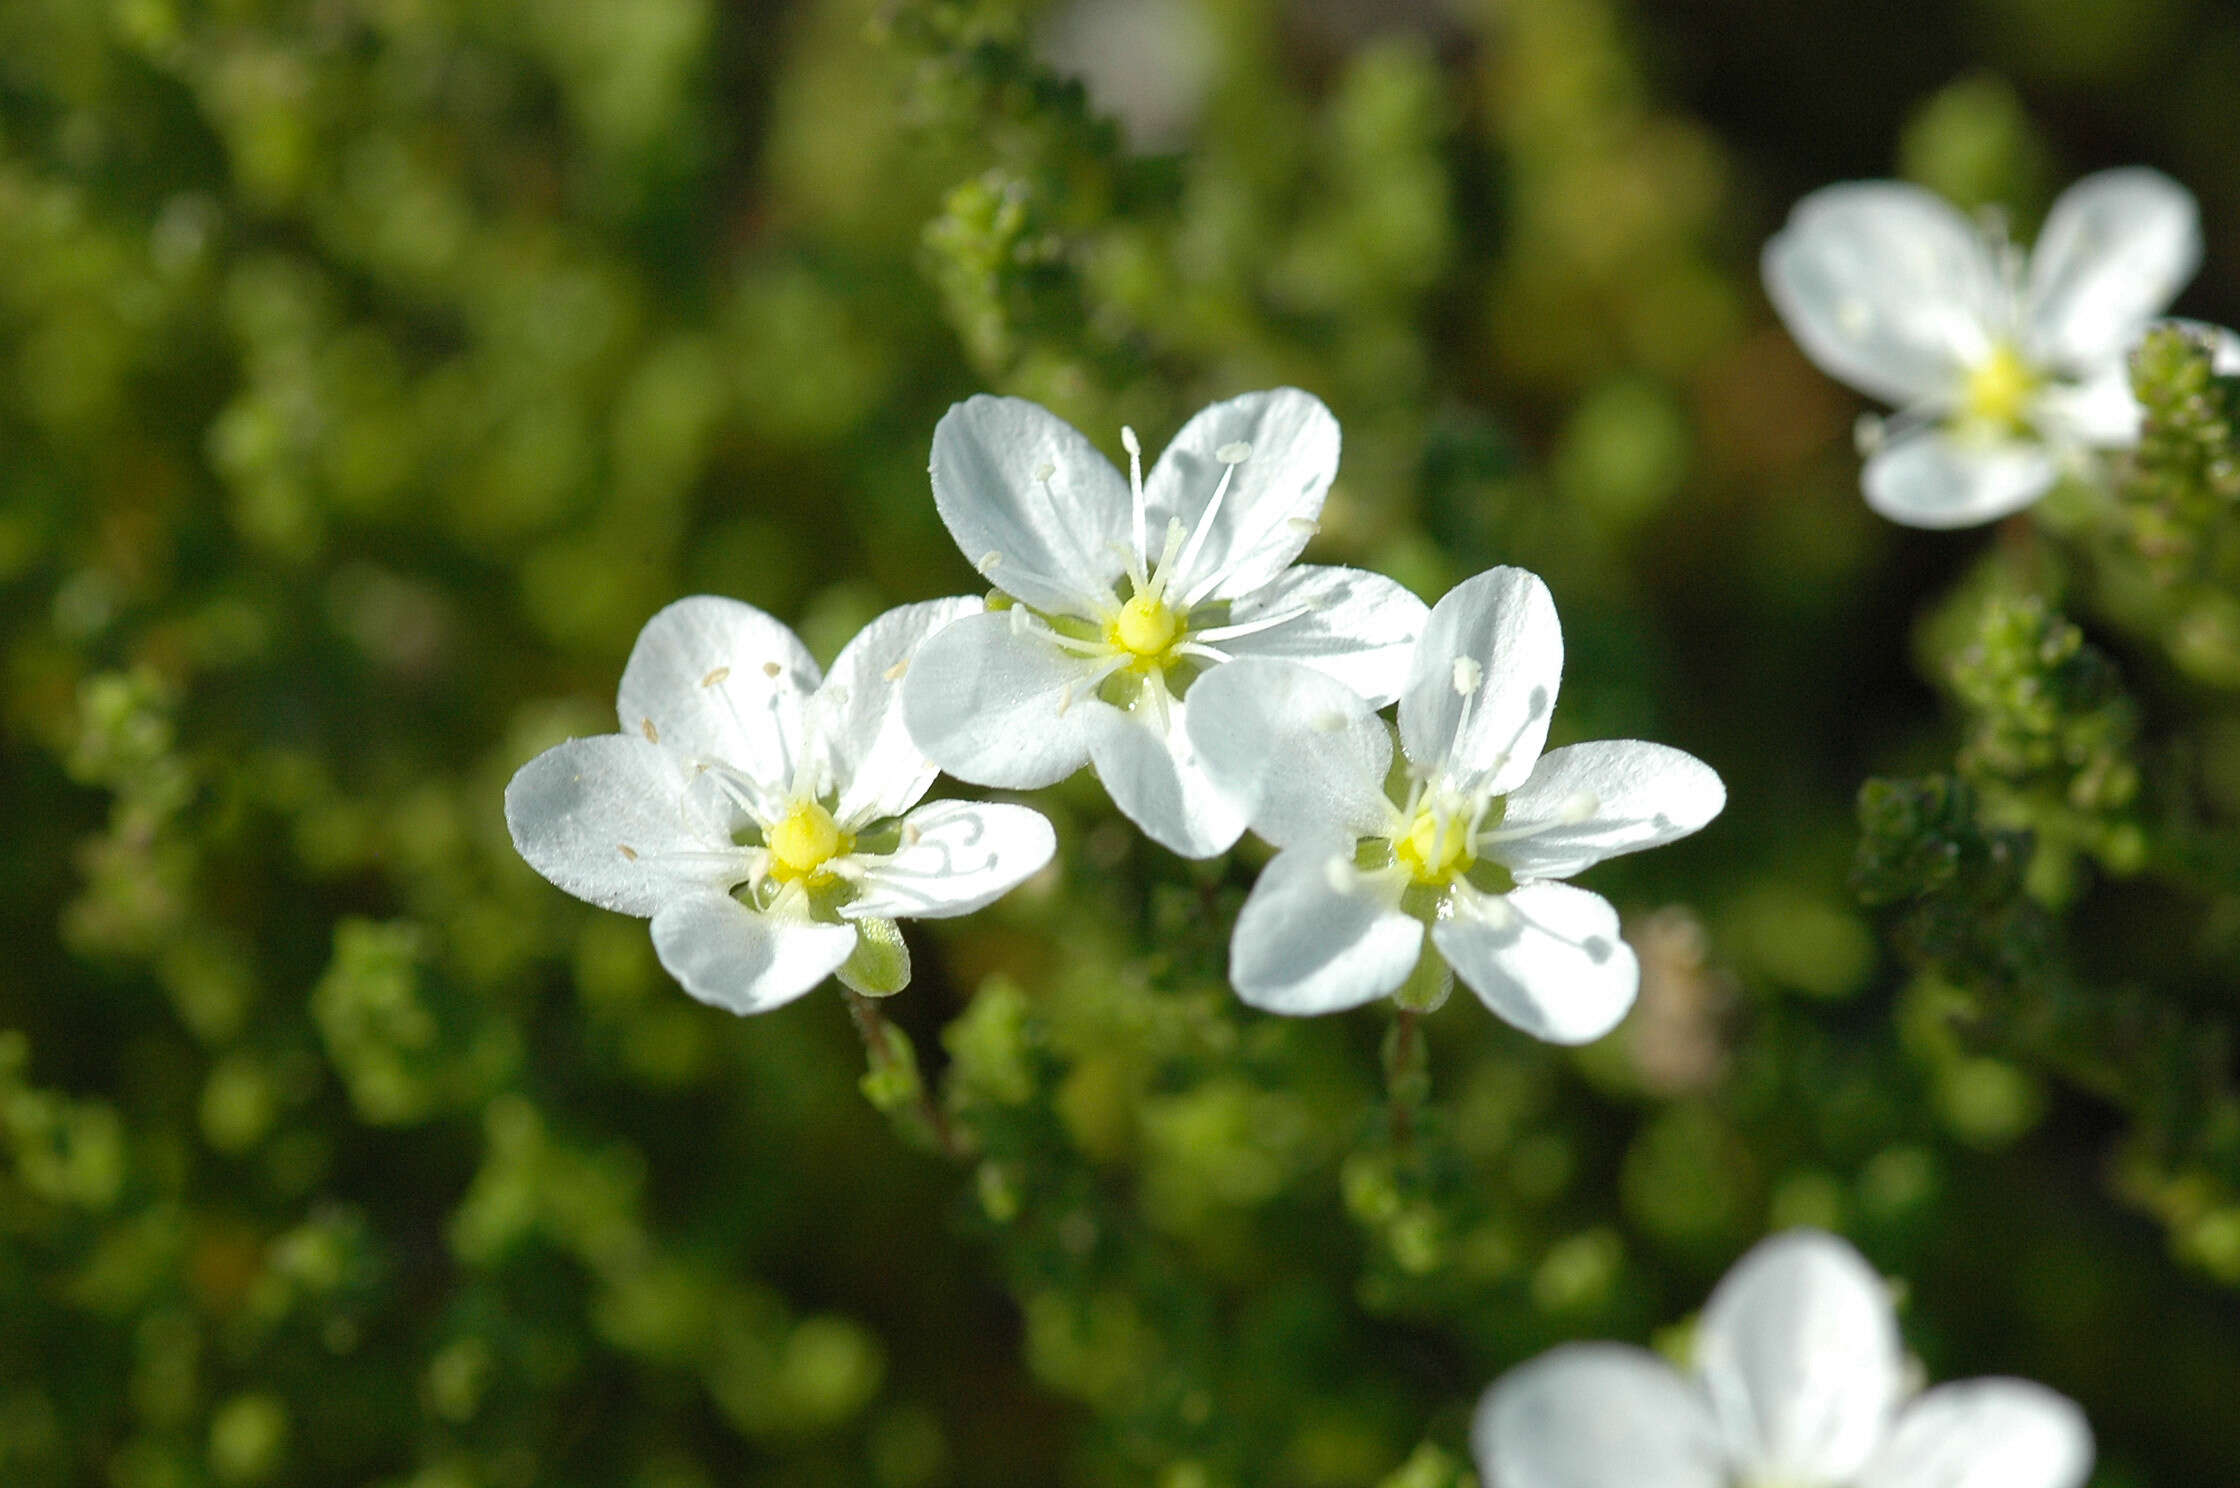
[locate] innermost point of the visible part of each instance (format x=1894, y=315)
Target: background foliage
x=371, y=369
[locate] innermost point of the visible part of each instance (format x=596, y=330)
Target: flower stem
x=892, y=1082
x=1407, y=1074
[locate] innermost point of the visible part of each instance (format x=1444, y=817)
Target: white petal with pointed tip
x=1587, y=802
x=1987, y=1433
x=880, y=771
x=1596, y=1415
x=614, y=820
x=720, y=680
x=992, y=699
x=1315, y=937
x=956, y=856
x=1501, y=627
x=1357, y=626
x=1930, y=479
x=1545, y=957
x=1886, y=287
x=1154, y=776
x=2116, y=248
x=730, y=957
x=1274, y=496
x=1303, y=755
x=1059, y=542
x=1799, y=1351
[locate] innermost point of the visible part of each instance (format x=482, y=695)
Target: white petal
x=1032, y=503
x=2116, y=248
x=955, y=857
x=1596, y=1415
x=1930, y=479
x=1154, y=776
x=720, y=681
x=2224, y=345
x=879, y=770
x=1987, y=1433
x=993, y=700
x=1482, y=685
x=616, y=820
x=1799, y=1349
x=1359, y=627
x=1587, y=802
x=1546, y=957
x=1268, y=513
x=1315, y=937
x=730, y=957
x=2101, y=412
x=1303, y=755
x=1886, y=286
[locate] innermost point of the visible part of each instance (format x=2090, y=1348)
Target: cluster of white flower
x=1159, y=629
x=2008, y=369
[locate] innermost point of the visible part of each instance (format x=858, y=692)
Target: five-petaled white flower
x=1801, y=1383
x=1126, y=591
x=2004, y=367
x=1467, y=854
x=761, y=819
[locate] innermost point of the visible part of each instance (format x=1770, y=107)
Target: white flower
x=1483, y=824
x=2004, y=367
x=1800, y=1383
x=1128, y=589
x=763, y=820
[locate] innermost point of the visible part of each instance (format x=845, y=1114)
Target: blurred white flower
x=1469, y=851
x=1126, y=590
x=763, y=819
x=1801, y=1382
x=2004, y=366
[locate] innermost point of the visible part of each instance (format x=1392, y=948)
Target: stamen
x=1580, y=806
x=1203, y=652
x=1155, y=687
x=1162, y=574
x=1080, y=686
x=1204, y=528
x=1129, y=442
x=1467, y=675
x=1254, y=627
x=991, y=561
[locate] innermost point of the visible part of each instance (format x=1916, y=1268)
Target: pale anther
x=1235, y=453
x=1467, y=675
x=715, y=677
x=653, y=735
x=894, y=673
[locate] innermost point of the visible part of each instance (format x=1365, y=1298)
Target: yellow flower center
x=1145, y=629
x=1436, y=848
x=803, y=840
x=1999, y=389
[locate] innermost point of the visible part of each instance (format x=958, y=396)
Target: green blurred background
x=371, y=369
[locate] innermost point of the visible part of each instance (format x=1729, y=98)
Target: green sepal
x=880, y=964
x=1428, y=985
